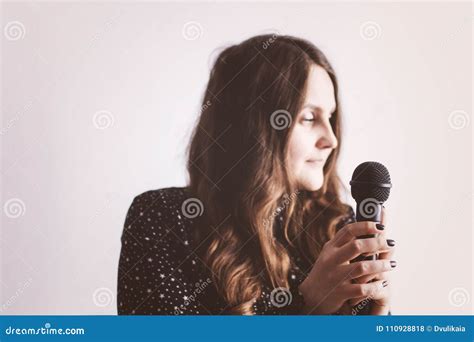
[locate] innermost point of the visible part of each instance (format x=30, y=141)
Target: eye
x=308, y=117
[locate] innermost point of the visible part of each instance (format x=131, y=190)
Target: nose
x=327, y=139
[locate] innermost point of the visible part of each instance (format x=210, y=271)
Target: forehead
x=320, y=90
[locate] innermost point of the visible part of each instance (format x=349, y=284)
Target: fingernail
x=393, y=263
x=380, y=226
x=385, y=283
x=390, y=242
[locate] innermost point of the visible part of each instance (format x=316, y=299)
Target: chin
x=314, y=185
x=316, y=188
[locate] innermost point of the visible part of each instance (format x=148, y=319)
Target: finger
x=363, y=268
x=366, y=279
x=376, y=295
x=384, y=292
x=371, y=277
x=356, y=247
x=370, y=290
x=387, y=255
x=361, y=302
x=354, y=230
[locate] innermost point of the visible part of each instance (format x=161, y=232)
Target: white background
x=74, y=182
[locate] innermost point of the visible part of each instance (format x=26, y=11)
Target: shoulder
x=156, y=213
x=158, y=269
x=165, y=199
x=163, y=204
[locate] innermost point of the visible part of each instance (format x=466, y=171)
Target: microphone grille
x=370, y=180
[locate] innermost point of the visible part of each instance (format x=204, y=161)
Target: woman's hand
x=329, y=284
x=380, y=304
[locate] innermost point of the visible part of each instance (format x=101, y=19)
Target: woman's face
x=312, y=139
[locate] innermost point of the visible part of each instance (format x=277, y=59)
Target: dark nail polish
x=390, y=242
x=380, y=226
x=385, y=283
x=393, y=263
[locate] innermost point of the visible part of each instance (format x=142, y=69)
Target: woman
x=261, y=228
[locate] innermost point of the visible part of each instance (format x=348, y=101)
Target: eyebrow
x=317, y=108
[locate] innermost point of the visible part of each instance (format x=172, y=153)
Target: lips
x=315, y=160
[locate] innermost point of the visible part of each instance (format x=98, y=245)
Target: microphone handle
x=371, y=211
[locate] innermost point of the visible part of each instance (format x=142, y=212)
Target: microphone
x=370, y=187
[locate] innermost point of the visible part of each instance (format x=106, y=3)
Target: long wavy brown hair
x=237, y=164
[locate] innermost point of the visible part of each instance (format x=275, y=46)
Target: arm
x=153, y=267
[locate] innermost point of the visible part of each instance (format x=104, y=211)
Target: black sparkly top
x=160, y=273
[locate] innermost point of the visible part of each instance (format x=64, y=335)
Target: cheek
x=299, y=149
